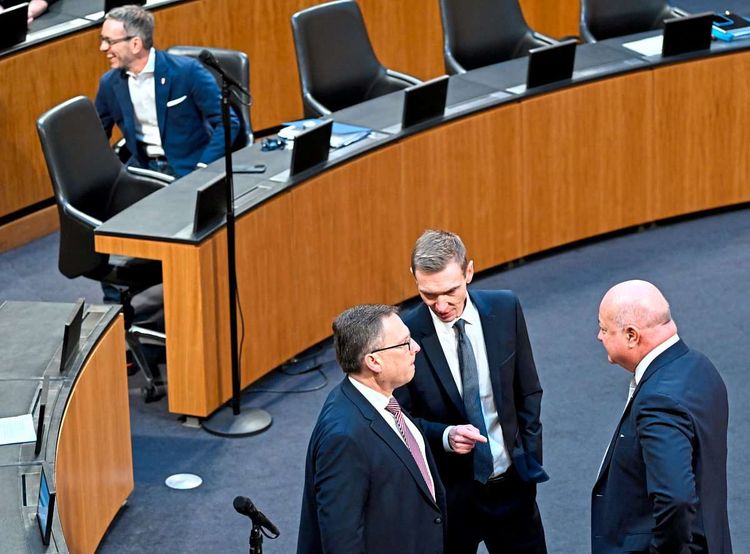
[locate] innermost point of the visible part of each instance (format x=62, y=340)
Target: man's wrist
x=446, y=439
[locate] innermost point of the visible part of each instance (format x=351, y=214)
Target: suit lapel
x=431, y=347
x=492, y=344
x=163, y=83
x=669, y=355
x=387, y=435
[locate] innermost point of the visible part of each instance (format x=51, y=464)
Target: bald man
x=662, y=485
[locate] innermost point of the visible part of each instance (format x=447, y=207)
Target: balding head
x=634, y=318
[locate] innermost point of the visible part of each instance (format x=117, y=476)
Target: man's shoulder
x=500, y=297
x=179, y=63
x=110, y=78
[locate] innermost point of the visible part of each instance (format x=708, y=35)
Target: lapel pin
x=163, y=80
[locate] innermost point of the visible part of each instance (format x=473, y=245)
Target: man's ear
x=632, y=335
x=469, y=273
x=372, y=362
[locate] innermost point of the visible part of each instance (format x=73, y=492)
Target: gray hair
x=435, y=250
x=137, y=22
x=357, y=331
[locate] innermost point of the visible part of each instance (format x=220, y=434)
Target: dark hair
x=137, y=22
x=434, y=250
x=357, y=331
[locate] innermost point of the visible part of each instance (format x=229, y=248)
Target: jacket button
x=438, y=519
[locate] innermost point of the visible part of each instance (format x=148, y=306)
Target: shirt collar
x=378, y=400
x=470, y=315
x=651, y=356
x=148, y=69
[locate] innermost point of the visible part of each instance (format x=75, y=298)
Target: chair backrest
x=603, y=19
x=84, y=171
x=482, y=32
x=336, y=63
x=237, y=64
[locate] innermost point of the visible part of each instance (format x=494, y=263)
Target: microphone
x=245, y=506
x=210, y=60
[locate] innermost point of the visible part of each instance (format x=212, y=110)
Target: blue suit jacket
x=432, y=396
x=363, y=491
x=663, y=482
x=188, y=109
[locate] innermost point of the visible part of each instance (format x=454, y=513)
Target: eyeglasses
x=407, y=344
x=112, y=41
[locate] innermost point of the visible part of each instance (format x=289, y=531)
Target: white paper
x=646, y=47
x=17, y=429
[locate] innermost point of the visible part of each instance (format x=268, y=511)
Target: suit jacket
x=663, y=482
x=432, y=396
x=188, y=110
x=363, y=490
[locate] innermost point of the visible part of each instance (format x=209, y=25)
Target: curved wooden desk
x=513, y=180
x=86, y=439
x=406, y=36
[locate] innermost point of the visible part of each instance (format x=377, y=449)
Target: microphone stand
x=256, y=540
x=236, y=423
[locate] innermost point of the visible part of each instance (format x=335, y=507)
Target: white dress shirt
x=449, y=342
x=380, y=402
x=143, y=97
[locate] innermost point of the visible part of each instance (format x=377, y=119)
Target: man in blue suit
x=662, y=485
x=370, y=481
x=477, y=395
x=167, y=107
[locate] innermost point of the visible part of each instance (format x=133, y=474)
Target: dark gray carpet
x=702, y=266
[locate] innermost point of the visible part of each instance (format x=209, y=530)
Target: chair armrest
x=161, y=177
x=315, y=105
x=544, y=38
x=403, y=77
x=81, y=217
x=586, y=34
x=452, y=67
x=678, y=12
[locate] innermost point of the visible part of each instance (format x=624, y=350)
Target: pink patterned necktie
x=411, y=443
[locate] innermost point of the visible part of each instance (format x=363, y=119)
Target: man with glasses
x=370, y=481
x=477, y=396
x=167, y=107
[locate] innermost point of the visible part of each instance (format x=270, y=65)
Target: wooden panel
x=406, y=35
x=588, y=154
x=555, y=18
x=94, y=465
x=702, y=134
x=28, y=228
x=466, y=177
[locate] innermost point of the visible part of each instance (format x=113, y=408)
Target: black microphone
x=210, y=60
x=245, y=506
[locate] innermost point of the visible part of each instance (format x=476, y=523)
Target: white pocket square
x=176, y=101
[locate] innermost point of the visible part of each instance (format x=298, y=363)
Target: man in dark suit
x=662, y=485
x=477, y=396
x=370, y=481
x=167, y=107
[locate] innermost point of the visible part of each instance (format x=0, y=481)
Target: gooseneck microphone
x=245, y=506
x=210, y=60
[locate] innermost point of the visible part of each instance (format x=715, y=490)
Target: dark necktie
x=483, y=464
x=411, y=443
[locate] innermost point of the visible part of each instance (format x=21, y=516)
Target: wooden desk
x=513, y=180
x=407, y=35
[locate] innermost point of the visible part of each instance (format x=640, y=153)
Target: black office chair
x=91, y=185
x=336, y=63
x=237, y=64
x=477, y=33
x=601, y=19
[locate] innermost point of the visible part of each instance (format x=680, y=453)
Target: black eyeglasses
x=112, y=41
x=407, y=344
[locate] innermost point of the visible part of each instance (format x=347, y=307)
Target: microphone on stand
x=245, y=506
x=210, y=60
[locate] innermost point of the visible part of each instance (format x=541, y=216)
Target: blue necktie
x=483, y=464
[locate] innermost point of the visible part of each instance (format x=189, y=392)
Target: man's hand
x=462, y=438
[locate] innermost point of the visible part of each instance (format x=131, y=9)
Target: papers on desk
x=646, y=47
x=17, y=429
x=342, y=134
